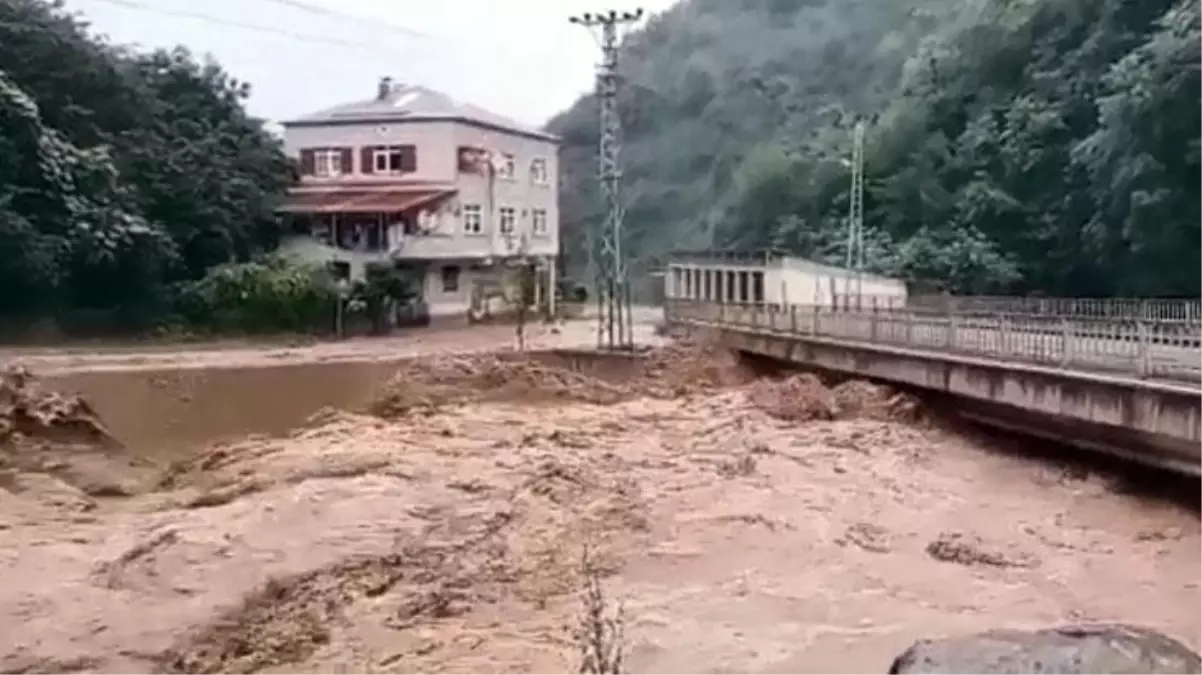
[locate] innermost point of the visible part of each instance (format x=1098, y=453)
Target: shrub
x=271, y=294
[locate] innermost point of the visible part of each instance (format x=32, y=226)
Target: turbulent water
x=743, y=525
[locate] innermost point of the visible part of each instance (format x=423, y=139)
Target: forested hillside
x=124, y=176
x=1012, y=146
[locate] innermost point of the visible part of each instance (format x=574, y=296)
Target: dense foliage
x=1012, y=145
x=124, y=176
x=266, y=295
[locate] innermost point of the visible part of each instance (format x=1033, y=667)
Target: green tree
x=122, y=174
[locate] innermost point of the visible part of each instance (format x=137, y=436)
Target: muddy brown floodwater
x=436, y=523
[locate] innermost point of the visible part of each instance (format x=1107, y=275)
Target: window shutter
x=408, y=158
x=365, y=155
x=308, y=164
x=348, y=161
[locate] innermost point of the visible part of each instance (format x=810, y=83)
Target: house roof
x=411, y=102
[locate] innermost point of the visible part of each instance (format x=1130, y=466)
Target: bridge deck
x=1163, y=350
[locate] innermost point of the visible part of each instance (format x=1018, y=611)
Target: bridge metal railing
x=1142, y=348
x=1148, y=309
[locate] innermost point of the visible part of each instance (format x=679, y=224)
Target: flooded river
x=310, y=517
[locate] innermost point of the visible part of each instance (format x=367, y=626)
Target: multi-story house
x=412, y=177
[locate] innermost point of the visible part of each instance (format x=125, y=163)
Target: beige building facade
x=412, y=177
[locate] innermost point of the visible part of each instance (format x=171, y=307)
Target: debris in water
x=962, y=549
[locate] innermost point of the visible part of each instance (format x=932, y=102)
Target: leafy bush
x=266, y=295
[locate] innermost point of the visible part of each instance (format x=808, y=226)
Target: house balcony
x=410, y=221
x=447, y=246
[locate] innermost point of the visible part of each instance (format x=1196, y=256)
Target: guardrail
x=1145, y=349
x=1154, y=309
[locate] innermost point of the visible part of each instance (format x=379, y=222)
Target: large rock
x=1108, y=648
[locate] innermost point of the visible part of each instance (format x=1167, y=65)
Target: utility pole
x=855, y=215
x=615, y=328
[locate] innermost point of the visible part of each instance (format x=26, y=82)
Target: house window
x=508, y=219
x=472, y=160
x=538, y=172
x=473, y=222
x=327, y=163
x=392, y=159
x=450, y=279
x=539, y=222
x=508, y=167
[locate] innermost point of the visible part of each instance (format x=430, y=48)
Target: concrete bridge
x=1128, y=386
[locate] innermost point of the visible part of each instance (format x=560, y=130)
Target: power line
x=372, y=23
x=378, y=24
x=220, y=21
x=615, y=328
x=368, y=46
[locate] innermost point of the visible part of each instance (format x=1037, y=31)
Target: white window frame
x=507, y=219
x=472, y=217
x=381, y=160
x=539, y=174
x=538, y=222
x=327, y=163
x=509, y=167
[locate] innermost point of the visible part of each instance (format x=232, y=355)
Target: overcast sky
x=519, y=58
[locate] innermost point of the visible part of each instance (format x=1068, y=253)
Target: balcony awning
x=392, y=200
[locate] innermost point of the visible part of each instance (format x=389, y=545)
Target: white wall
x=448, y=303
x=519, y=193
x=458, y=303
x=789, y=286
x=870, y=290
x=795, y=282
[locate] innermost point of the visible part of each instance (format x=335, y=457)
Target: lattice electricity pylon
x=855, y=215
x=615, y=329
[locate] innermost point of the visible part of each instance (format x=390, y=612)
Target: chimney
x=384, y=89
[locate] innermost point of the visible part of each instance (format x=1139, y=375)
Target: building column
x=720, y=285
x=537, y=279
x=551, y=289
